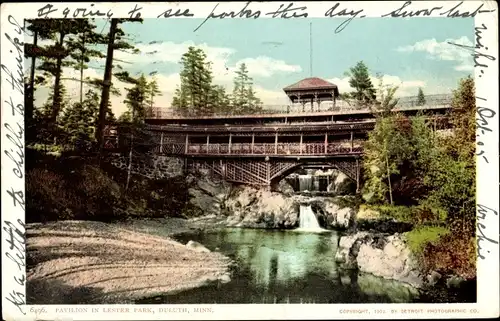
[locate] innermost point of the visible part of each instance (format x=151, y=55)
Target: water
x=309, y=183
x=307, y=220
x=305, y=183
x=275, y=266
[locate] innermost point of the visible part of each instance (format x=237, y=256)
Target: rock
x=433, y=278
x=380, y=255
x=331, y=214
x=197, y=246
x=225, y=278
x=285, y=188
x=454, y=282
x=345, y=247
x=206, y=196
x=251, y=207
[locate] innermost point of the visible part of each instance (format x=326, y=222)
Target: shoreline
x=88, y=262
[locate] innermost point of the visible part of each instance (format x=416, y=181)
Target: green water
x=275, y=266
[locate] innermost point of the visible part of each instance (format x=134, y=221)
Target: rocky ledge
x=380, y=254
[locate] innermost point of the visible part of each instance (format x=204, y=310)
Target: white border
x=487, y=178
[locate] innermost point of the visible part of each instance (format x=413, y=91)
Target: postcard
x=249, y=160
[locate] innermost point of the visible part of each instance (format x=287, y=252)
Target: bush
x=451, y=254
x=399, y=213
x=420, y=237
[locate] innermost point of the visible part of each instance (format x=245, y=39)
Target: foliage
x=386, y=148
x=451, y=254
x=78, y=188
x=362, y=84
x=137, y=98
x=197, y=95
x=451, y=174
x=420, y=237
x=244, y=100
x=386, y=101
x=153, y=90
x=192, y=98
x=54, y=57
x=420, y=97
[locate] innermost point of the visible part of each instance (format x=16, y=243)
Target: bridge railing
x=262, y=149
x=339, y=107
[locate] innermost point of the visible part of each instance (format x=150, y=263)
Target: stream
x=278, y=266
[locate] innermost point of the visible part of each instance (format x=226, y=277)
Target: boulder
x=257, y=208
x=332, y=215
x=285, y=188
x=206, y=196
x=197, y=246
x=382, y=255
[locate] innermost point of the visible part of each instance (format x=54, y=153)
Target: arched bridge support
x=264, y=171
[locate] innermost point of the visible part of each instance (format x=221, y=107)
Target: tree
x=220, y=101
x=360, y=81
x=386, y=101
x=116, y=41
x=451, y=177
x=420, y=97
x=81, y=53
x=153, y=91
x=243, y=98
x=137, y=98
x=386, y=149
x=192, y=97
x=53, y=57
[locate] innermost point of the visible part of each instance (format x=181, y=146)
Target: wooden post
x=300, y=145
x=208, y=142
x=187, y=144
x=276, y=143
x=230, y=142
x=253, y=141
x=352, y=140
x=357, y=175
x=326, y=143
x=161, y=143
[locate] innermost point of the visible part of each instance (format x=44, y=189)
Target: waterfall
x=305, y=183
x=308, y=221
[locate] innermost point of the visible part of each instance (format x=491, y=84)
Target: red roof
x=311, y=83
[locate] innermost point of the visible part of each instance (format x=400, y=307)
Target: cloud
x=406, y=87
x=266, y=67
x=444, y=50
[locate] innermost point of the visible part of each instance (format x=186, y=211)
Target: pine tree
x=116, y=41
x=137, y=98
x=53, y=57
x=420, y=97
x=360, y=81
x=81, y=53
x=192, y=98
x=243, y=98
x=152, y=92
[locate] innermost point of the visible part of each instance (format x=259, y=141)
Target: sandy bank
x=71, y=262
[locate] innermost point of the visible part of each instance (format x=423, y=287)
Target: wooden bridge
x=262, y=149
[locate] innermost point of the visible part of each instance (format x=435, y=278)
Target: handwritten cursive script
x=336, y=12
x=14, y=230
x=81, y=12
x=482, y=212
x=243, y=13
x=476, y=54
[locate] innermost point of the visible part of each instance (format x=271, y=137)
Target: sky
x=410, y=53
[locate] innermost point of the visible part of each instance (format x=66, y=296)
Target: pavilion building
x=312, y=90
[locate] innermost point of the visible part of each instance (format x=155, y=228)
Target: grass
x=423, y=235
